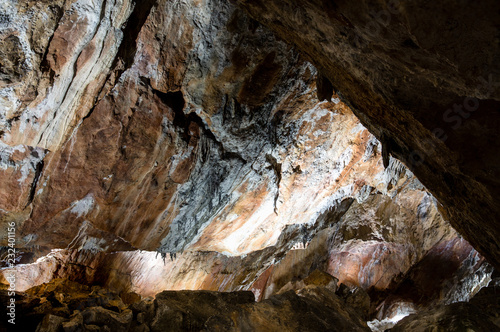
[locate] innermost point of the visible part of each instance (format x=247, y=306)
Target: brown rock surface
x=180, y=145
x=176, y=155
x=480, y=314
x=21, y=170
x=423, y=78
x=314, y=308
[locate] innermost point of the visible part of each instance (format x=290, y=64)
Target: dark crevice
x=103, y=12
x=128, y=47
x=9, y=123
x=44, y=64
x=389, y=147
x=324, y=88
x=410, y=44
x=81, y=265
x=226, y=111
x=89, y=113
x=275, y=123
x=175, y=100
x=385, y=154
x=277, y=170
x=38, y=174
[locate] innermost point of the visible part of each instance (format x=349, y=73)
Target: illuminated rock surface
x=181, y=145
x=424, y=78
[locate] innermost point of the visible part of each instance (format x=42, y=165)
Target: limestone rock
x=104, y=317
x=50, y=323
x=129, y=298
x=184, y=310
x=320, y=278
x=21, y=167
x=75, y=322
x=455, y=317
x=237, y=311
x=181, y=145
x=423, y=78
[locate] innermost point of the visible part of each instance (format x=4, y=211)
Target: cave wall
x=182, y=145
x=423, y=78
x=206, y=135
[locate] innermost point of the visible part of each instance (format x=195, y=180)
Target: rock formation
x=481, y=314
x=182, y=145
x=424, y=79
x=70, y=306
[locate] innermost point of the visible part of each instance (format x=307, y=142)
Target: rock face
x=480, y=314
x=181, y=145
x=424, y=79
x=21, y=167
x=210, y=141
x=66, y=306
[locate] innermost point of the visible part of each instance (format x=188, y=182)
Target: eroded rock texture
x=423, y=77
x=173, y=145
x=209, y=137
x=68, y=306
x=481, y=314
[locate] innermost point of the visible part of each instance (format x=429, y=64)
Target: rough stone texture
x=151, y=151
x=480, y=314
x=409, y=278
x=204, y=156
x=20, y=170
x=73, y=307
x=423, y=77
x=50, y=323
x=205, y=135
x=61, y=53
x=313, y=308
